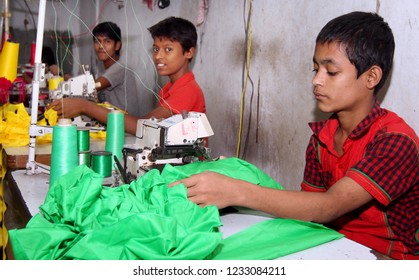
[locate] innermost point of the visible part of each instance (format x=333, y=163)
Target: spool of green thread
x=64, y=155
x=85, y=158
x=115, y=135
x=83, y=139
x=102, y=163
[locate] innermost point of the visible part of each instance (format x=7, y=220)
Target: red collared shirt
x=184, y=94
x=382, y=156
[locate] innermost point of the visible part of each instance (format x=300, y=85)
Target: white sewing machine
x=82, y=86
x=177, y=140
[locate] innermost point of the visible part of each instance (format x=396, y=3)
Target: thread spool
x=8, y=60
x=54, y=82
x=85, y=158
x=64, y=155
x=83, y=139
x=115, y=135
x=102, y=163
x=33, y=49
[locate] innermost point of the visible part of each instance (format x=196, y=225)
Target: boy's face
x=336, y=86
x=105, y=48
x=170, y=59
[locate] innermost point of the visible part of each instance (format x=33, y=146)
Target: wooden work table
x=18, y=156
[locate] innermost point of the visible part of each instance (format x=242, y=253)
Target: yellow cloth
x=3, y=230
x=15, y=122
x=14, y=125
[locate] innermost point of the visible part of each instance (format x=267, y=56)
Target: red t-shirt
x=184, y=94
x=382, y=156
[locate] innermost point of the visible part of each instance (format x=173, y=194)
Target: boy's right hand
x=68, y=107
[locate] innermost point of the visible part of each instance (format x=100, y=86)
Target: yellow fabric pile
x=3, y=230
x=15, y=122
x=14, y=125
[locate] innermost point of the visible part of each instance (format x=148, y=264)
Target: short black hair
x=176, y=29
x=108, y=29
x=367, y=39
x=48, y=56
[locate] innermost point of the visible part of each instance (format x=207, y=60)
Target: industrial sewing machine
x=82, y=86
x=177, y=140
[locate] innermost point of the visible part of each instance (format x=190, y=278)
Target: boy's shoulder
x=393, y=123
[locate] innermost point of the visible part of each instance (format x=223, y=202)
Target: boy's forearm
x=283, y=203
x=95, y=111
x=130, y=123
x=100, y=113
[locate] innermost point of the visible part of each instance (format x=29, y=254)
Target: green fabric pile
x=81, y=219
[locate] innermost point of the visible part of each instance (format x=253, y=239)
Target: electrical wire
x=246, y=69
x=68, y=39
x=90, y=32
x=30, y=12
x=126, y=59
x=82, y=34
x=246, y=143
x=67, y=46
x=56, y=45
x=144, y=48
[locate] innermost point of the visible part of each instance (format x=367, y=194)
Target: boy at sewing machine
x=173, y=49
x=362, y=164
x=117, y=84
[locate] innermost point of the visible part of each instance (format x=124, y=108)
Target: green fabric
x=272, y=239
x=81, y=219
x=232, y=167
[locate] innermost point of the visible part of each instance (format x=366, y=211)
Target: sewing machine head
x=177, y=140
x=80, y=86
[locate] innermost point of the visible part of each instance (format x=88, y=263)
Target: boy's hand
x=54, y=70
x=210, y=188
x=68, y=107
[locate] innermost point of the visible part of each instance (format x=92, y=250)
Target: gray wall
x=279, y=104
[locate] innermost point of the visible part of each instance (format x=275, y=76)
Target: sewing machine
x=82, y=86
x=177, y=140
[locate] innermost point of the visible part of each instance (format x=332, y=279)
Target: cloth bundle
x=3, y=230
x=15, y=122
x=81, y=219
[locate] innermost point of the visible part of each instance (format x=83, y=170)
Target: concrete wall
x=278, y=101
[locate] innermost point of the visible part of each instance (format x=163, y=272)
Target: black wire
x=30, y=12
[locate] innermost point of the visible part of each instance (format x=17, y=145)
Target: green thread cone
x=64, y=154
x=101, y=163
x=83, y=139
x=115, y=135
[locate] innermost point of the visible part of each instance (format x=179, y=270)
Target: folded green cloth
x=81, y=219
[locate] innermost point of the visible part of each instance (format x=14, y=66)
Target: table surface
x=34, y=188
x=17, y=157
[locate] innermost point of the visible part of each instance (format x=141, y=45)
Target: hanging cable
x=30, y=12
x=67, y=39
x=248, y=44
